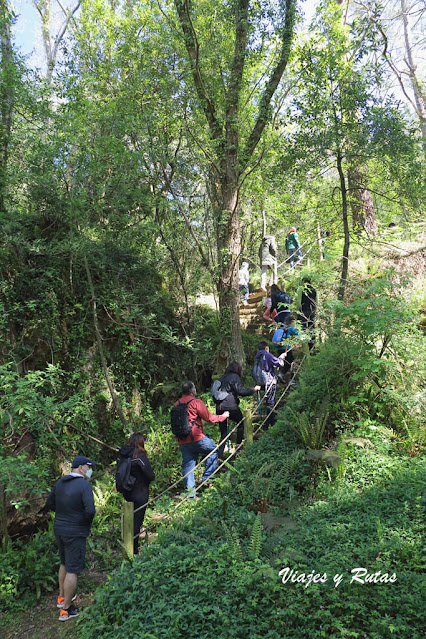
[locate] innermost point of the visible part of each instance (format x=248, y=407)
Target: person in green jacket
x=292, y=246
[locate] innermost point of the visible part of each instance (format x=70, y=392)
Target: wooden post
x=248, y=427
x=127, y=528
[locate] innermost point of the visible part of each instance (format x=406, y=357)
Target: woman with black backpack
x=136, y=488
x=230, y=383
x=280, y=301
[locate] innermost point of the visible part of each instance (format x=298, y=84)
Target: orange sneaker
x=60, y=603
x=69, y=613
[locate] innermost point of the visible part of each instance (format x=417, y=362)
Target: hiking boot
x=61, y=600
x=68, y=613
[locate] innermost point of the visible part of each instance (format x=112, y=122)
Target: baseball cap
x=80, y=460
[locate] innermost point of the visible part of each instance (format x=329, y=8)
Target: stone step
x=250, y=310
x=256, y=297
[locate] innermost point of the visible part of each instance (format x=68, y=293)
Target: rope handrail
x=224, y=440
x=187, y=497
x=317, y=239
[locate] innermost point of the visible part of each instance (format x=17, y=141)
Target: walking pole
x=227, y=433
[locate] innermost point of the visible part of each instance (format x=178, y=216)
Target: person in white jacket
x=243, y=281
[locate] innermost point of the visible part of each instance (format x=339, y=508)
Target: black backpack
x=124, y=481
x=283, y=299
x=179, y=420
x=259, y=373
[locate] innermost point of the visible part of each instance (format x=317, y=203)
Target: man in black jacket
x=71, y=499
x=308, y=305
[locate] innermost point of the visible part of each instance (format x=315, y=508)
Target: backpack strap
x=195, y=421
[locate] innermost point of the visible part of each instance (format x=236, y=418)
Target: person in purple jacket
x=271, y=364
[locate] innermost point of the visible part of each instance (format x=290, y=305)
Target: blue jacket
x=71, y=499
x=289, y=332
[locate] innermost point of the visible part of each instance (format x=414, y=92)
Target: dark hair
x=262, y=345
x=137, y=440
x=307, y=280
x=275, y=288
x=288, y=319
x=188, y=388
x=234, y=367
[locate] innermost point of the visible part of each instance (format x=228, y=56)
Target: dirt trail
x=41, y=621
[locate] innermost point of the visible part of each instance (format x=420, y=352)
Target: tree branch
x=272, y=84
x=187, y=222
x=101, y=349
x=193, y=49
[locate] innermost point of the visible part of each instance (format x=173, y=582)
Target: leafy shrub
x=28, y=567
x=309, y=428
x=194, y=582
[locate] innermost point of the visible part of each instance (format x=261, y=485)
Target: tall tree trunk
x=51, y=44
x=7, y=92
x=419, y=94
x=345, y=255
x=362, y=207
x=3, y=517
x=231, y=159
x=229, y=249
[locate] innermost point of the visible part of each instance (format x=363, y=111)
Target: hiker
x=269, y=365
x=197, y=443
x=243, y=281
x=268, y=260
x=268, y=315
x=71, y=499
x=141, y=475
x=280, y=302
x=308, y=304
x=292, y=246
x=284, y=347
x=230, y=383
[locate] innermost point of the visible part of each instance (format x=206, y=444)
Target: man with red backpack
x=187, y=417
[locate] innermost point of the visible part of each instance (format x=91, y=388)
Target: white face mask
x=89, y=473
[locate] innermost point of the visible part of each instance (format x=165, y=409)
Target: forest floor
x=42, y=621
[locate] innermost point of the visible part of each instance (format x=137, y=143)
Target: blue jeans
x=190, y=454
x=244, y=289
x=291, y=254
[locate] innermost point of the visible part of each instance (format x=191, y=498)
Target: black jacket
x=71, y=499
x=144, y=473
x=308, y=302
x=231, y=383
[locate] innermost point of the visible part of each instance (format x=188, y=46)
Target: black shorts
x=72, y=551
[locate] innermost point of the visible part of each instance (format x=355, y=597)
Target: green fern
x=308, y=429
x=389, y=432
x=416, y=433
x=255, y=541
x=234, y=543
